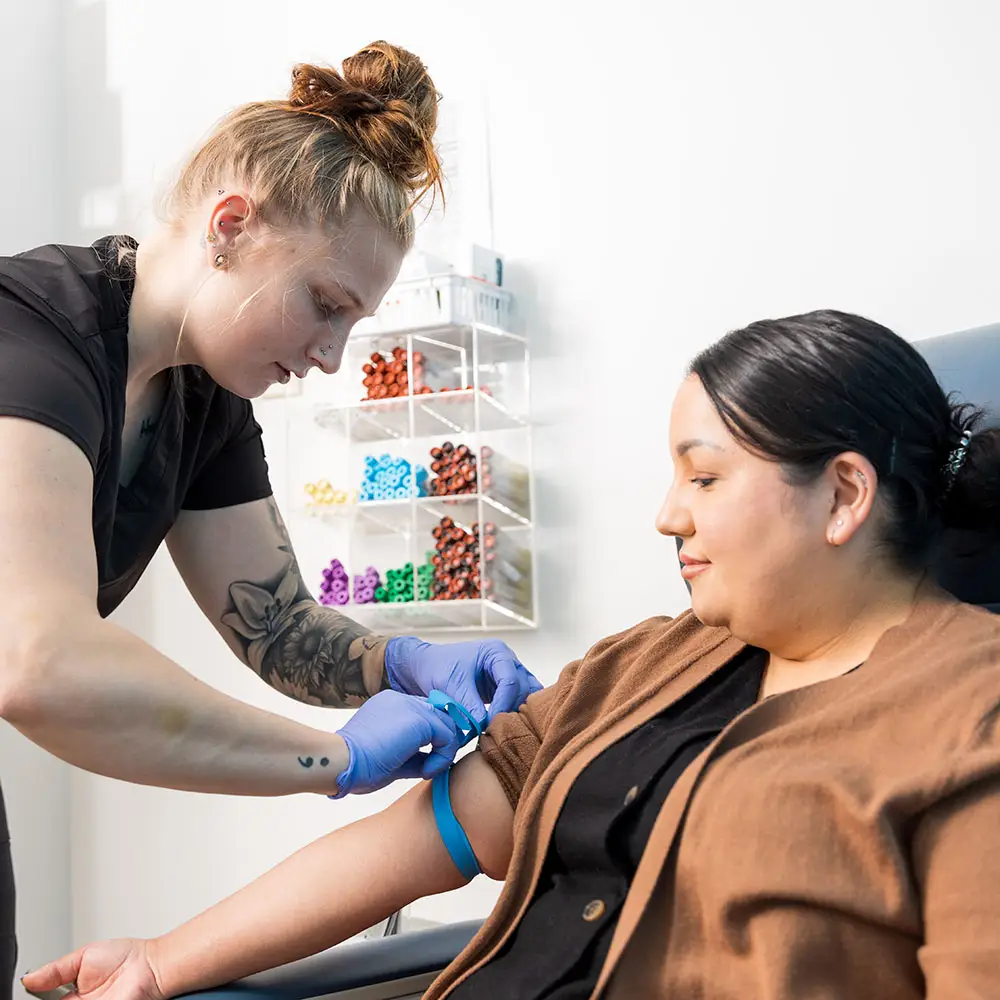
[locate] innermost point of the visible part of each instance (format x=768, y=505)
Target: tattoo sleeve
x=307, y=651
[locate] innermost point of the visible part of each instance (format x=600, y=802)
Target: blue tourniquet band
x=455, y=840
x=452, y=834
x=459, y=714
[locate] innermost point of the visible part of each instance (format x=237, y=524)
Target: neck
x=838, y=637
x=156, y=312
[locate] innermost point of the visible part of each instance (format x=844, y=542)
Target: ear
x=853, y=484
x=230, y=216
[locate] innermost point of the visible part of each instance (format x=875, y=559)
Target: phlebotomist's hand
x=384, y=738
x=475, y=674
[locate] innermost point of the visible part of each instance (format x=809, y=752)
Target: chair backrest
x=968, y=363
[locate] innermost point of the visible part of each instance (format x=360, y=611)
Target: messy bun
x=385, y=102
x=363, y=135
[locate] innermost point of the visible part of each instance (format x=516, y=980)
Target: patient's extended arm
x=326, y=892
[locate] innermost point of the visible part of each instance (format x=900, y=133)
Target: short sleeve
x=45, y=378
x=237, y=472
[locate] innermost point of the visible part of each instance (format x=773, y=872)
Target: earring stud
x=220, y=260
x=211, y=238
x=840, y=522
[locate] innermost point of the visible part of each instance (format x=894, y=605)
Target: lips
x=285, y=374
x=691, y=567
x=691, y=561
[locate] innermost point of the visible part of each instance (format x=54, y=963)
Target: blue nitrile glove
x=384, y=737
x=473, y=673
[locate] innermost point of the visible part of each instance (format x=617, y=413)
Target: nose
x=674, y=516
x=327, y=358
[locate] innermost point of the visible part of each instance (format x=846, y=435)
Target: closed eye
x=325, y=310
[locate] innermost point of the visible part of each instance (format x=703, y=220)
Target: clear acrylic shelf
x=434, y=414
x=418, y=514
x=441, y=616
x=461, y=381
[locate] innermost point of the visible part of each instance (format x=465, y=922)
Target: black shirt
x=557, y=950
x=64, y=362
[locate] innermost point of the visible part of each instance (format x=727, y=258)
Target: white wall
x=36, y=786
x=662, y=172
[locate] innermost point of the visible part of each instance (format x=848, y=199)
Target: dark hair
x=804, y=389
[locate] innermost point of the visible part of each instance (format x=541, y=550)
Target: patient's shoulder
x=640, y=658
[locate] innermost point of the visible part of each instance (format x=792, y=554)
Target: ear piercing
x=862, y=477
x=220, y=260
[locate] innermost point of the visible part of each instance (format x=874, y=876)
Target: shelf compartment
x=444, y=616
x=434, y=414
x=384, y=517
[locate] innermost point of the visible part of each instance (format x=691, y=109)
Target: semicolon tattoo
x=308, y=761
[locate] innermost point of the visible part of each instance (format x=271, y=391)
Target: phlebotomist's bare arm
x=92, y=693
x=239, y=565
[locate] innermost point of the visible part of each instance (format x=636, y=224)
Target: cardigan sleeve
x=513, y=739
x=956, y=854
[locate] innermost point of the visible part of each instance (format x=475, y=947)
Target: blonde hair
x=362, y=136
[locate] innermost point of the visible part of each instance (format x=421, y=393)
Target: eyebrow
x=685, y=446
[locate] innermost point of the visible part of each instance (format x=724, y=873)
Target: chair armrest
x=401, y=962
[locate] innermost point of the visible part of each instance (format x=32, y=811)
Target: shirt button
x=631, y=794
x=594, y=910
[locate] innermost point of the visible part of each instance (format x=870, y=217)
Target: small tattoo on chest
x=147, y=427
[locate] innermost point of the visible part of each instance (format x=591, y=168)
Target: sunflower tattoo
x=297, y=646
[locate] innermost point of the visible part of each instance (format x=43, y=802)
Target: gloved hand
x=384, y=737
x=473, y=673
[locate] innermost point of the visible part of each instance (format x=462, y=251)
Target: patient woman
x=790, y=791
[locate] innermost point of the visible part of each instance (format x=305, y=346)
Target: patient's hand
x=109, y=970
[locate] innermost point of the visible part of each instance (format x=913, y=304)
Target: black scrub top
x=64, y=361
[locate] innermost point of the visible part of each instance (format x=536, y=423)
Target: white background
x=661, y=172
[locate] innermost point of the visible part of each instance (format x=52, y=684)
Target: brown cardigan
x=838, y=841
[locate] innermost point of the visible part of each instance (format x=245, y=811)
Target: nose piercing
x=322, y=351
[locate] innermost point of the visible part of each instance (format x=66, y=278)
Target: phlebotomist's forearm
x=104, y=700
